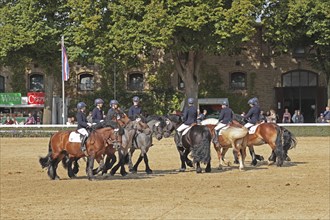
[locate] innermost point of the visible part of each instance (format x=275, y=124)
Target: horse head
x=121, y=118
x=157, y=124
x=172, y=122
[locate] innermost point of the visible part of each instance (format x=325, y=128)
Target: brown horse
x=96, y=144
x=232, y=136
x=279, y=139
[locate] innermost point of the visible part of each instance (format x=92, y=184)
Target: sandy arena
x=299, y=190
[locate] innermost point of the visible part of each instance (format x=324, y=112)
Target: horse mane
x=174, y=118
x=240, y=119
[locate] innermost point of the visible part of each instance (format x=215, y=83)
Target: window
x=238, y=80
x=36, y=82
x=135, y=81
x=86, y=82
x=299, y=78
x=2, y=84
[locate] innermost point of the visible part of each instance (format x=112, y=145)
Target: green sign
x=10, y=98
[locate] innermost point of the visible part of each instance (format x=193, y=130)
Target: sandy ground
x=299, y=190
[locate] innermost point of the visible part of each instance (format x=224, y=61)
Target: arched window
x=2, y=84
x=86, y=81
x=238, y=80
x=135, y=81
x=299, y=78
x=36, y=82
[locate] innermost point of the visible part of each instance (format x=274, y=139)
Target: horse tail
x=289, y=140
x=45, y=161
x=279, y=147
x=201, y=151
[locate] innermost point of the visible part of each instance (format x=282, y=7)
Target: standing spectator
x=299, y=118
x=294, y=116
x=321, y=119
x=8, y=121
x=73, y=121
x=30, y=120
x=286, y=116
x=69, y=122
x=326, y=114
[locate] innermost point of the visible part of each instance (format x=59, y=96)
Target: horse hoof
x=182, y=169
x=220, y=168
x=149, y=171
x=123, y=173
x=270, y=162
x=254, y=163
x=236, y=162
x=199, y=171
x=91, y=178
x=133, y=171
x=287, y=158
x=189, y=164
x=262, y=158
x=241, y=169
x=208, y=170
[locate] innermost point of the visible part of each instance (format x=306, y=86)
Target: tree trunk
x=188, y=65
x=49, y=86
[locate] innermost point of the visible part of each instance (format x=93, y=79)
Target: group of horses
x=124, y=135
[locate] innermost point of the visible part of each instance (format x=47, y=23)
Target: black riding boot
x=215, y=139
x=83, y=147
x=180, y=138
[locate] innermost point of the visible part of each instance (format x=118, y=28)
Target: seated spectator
x=15, y=121
x=299, y=118
x=69, y=122
x=8, y=121
x=326, y=114
x=262, y=116
x=201, y=116
x=30, y=120
x=286, y=116
x=272, y=118
x=321, y=119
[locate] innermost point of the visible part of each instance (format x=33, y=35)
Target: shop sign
x=10, y=98
x=37, y=98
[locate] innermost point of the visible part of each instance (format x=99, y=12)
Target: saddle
x=253, y=128
x=75, y=137
x=185, y=131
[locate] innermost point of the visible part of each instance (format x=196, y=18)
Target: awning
x=22, y=106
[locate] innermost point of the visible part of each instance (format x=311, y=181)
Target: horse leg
x=183, y=163
x=134, y=168
x=253, y=155
x=90, y=167
x=52, y=169
x=188, y=161
x=75, y=166
x=218, y=150
x=130, y=163
x=272, y=158
x=70, y=170
x=208, y=167
x=198, y=167
x=146, y=161
x=109, y=162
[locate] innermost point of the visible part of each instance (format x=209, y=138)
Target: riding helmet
x=113, y=102
x=80, y=105
x=190, y=100
x=225, y=103
x=98, y=101
x=136, y=99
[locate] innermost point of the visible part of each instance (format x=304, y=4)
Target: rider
x=135, y=109
x=82, y=124
x=114, y=109
x=225, y=117
x=253, y=114
x=189, y=117
x=97, y=114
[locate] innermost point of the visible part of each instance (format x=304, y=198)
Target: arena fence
x=304, y=129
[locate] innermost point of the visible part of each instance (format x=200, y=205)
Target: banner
x=10, y=98
x=65, y=64
x=37, y=98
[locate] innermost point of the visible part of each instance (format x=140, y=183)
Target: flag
x=65, y=65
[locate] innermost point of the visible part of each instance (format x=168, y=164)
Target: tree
x=290, y=24
x=184, y=29
x=30, y=32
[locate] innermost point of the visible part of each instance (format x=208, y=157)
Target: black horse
x=197, y=141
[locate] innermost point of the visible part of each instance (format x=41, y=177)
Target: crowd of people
x=33, y=118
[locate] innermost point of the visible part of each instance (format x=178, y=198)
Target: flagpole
x=63, y=94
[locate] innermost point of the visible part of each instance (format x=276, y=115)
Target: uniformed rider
x=97, y=113
x=135, y=109
x=225, y=117
x=114, y=110
x=189, y=118
x=253, y=114
x=82, y=124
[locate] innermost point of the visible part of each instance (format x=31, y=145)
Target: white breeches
x=83, y=131
x=182, y=127
x=219, y=126
x=247, y=125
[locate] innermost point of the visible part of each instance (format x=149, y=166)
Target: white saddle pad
x=210, y=121
x=252, y=129
x=222, y=129
x=74, y=137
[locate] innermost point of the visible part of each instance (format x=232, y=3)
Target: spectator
x=262, y=116
x=243, y=113
x=294, y=116
x=326, y=114
x=73, y=121
x=286, y=116
x=321, y=119
x=30, y=120
x=272, y=118
x=15, y=121
x=69, y=122
x=201, y=116
x=8, y=121
x=90, y=117
x=299, y=118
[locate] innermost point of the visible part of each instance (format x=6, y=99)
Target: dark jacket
x=326, y=115
x=81, y=119
x=253, y=114
x=134, y=110
x=97, y=115
x=226, y=115
x=190, y=115
x=113, y=112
